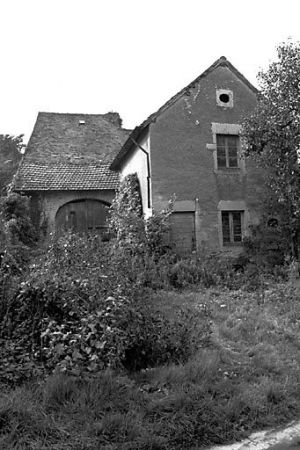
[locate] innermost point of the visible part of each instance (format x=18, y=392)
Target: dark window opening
x=227, y=150
x=224, y=98
x=232, y=227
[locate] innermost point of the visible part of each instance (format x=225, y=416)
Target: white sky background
x=130, y=56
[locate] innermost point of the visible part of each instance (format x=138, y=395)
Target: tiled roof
x=58, y=138
x=57, y=177
x=71, y=152
x=134, y=135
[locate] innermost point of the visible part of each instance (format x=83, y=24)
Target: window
x=232, y=227
x=227, y=150
x=224, y=98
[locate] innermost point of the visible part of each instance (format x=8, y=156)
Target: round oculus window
x=224, y=98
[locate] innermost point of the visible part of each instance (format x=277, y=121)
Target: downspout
x=148, y=170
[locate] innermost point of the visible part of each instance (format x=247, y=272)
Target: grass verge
x=245, y=378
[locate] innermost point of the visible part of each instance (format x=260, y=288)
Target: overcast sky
x=130, y=56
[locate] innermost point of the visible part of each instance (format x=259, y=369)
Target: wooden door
x=84, y=216
x=183, y=231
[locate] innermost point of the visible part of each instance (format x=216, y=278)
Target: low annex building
x=191, y=147
x=66, y=168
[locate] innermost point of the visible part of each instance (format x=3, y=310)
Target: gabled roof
x=71, y=151
x=134, y=135
x=61, y=177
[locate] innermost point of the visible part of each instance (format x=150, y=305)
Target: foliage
x=267, y=246
x=17, y=234
x=15, y=217
x=126, y=218
x=81, y=310
x=140, y=236
x=11, y=148
x=272, y=134
x=245, y=380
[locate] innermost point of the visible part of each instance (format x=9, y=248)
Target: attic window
x=81, y=122
x=224, y=98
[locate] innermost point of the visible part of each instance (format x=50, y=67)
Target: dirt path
x=282, y=438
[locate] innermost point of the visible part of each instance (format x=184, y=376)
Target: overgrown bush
x=83, y=307
x=17, y=234
x=14, y=211
x=267, y=246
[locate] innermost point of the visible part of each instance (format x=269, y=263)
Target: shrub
x=267, y=246
x=83, y=307
x=15, y=217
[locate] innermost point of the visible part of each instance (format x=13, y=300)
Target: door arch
x=82, y=216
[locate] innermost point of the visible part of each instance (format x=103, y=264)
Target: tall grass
x=244, y=379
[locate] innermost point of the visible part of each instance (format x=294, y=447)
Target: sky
x=129, y=56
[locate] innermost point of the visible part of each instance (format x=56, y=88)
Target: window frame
x=226, y=146
x=232, y=232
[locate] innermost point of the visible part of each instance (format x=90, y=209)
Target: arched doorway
x=82, y=216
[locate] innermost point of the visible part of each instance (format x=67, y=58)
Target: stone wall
x=183, y=154
x=51, y=201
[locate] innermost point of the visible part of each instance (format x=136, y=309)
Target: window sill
x=233, y=248
x=230, y=171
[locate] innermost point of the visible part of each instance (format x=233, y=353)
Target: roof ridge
x=32, y=163
x=75, y=114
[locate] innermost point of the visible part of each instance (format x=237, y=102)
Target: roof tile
x=71, y=152
x=58, y=177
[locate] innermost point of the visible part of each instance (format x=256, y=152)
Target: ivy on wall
x=128, y=224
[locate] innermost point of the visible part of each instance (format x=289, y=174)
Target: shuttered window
x=232, y=227
x=227, y=150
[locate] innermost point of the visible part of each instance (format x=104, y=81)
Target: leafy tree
x=272, y=135
x=10, y=154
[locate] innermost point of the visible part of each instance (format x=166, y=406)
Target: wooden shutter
x=183, y=231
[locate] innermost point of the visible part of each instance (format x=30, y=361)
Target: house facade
x=65, y=169
x=191, y=147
